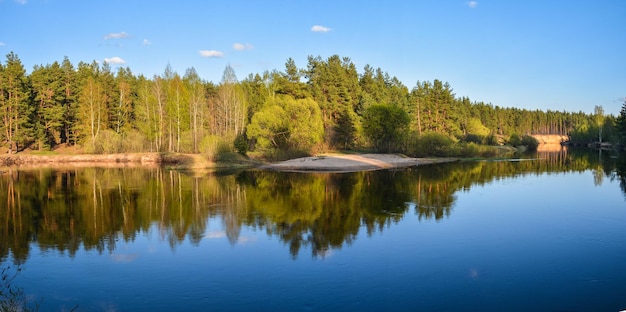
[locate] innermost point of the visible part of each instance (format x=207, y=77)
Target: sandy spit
x=350, y=163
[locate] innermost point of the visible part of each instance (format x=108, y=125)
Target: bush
x=212, y=146
x=491, y=140
x=469, y=150
x=241, y=144
x=432, y=144
x=110, y=142
x=515, y=140
x=530, y=142
x=386, y=126
x=134, y=142
x=473, y=138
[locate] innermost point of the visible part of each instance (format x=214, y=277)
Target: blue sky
x=533, y=54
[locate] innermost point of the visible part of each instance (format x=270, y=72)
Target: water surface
x=545, y=234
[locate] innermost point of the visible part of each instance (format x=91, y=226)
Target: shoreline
x=351, y=163
x=321, y=163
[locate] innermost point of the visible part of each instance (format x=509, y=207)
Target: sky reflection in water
x=473, y=236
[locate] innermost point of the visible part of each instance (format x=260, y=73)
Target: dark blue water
x=529, y=241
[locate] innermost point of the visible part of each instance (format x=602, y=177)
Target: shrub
x=473, y=138
x=386, y=126
x=111, y=142
x=530, y=142
x=134, y=142
x=470, y=149
x=212, y=146
x=432, y=144
x=491, y=140
x=241, y=144
x=515, y=140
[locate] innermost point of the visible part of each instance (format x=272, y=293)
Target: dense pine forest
x=328, y=105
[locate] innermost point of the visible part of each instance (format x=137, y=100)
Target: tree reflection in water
x=64, y=210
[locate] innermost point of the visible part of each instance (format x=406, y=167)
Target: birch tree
x=231, y=110
x=197, y=111
x=92, y=110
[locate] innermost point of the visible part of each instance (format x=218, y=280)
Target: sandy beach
x=349, y=163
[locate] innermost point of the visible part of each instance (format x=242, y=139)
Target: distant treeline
x=327, y=105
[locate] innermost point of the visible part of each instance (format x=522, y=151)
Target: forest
x=328, y=105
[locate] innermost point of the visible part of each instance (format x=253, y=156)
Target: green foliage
x=15, y=105
x=515, y=140
x=213, y=146
x=492, y=140
x=134, y=141
x=287, y=123
x=431, y=144
x=386, y=126
x=334, y=85
x=105, y=142
x=473, y=138
x=476, y=127
x=530, y=142
x=620, y=123
x=241, y=144
x=61, y=104
x=110, y=142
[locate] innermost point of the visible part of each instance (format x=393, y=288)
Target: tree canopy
x=326, y=105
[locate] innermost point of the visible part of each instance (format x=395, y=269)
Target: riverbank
x=122, y=160
x=321, y=163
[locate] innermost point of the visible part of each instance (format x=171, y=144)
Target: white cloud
x=21, y=1
x=116, y=35
x=114, y=60
x=472, y=4
x=147, y=42
x=211, y=53
x=2, y=44
x=213, y=235
x=318, y=28
x=124, y=258
x=241, y=46
x=245, y=240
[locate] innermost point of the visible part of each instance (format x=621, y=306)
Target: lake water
x=543, y=234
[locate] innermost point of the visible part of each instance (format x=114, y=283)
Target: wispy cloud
x=472, y=4
x=21, y=1
x=147, y=42
x=318, y=28
x=2, y=44
x=120, y=35
x=114, y=60
x=212, y=235
x=211, y=53
x=242, y=47
x=124, y=258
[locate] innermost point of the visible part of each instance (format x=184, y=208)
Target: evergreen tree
x=48, y=97
x=70, y=91
x=334, y=85
x=15, y=108
x=620, y=123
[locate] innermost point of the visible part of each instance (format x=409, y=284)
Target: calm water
x=546, y=235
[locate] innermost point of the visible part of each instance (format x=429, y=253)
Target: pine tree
x=48, y=97
x=15, y=108
x=621, y=123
